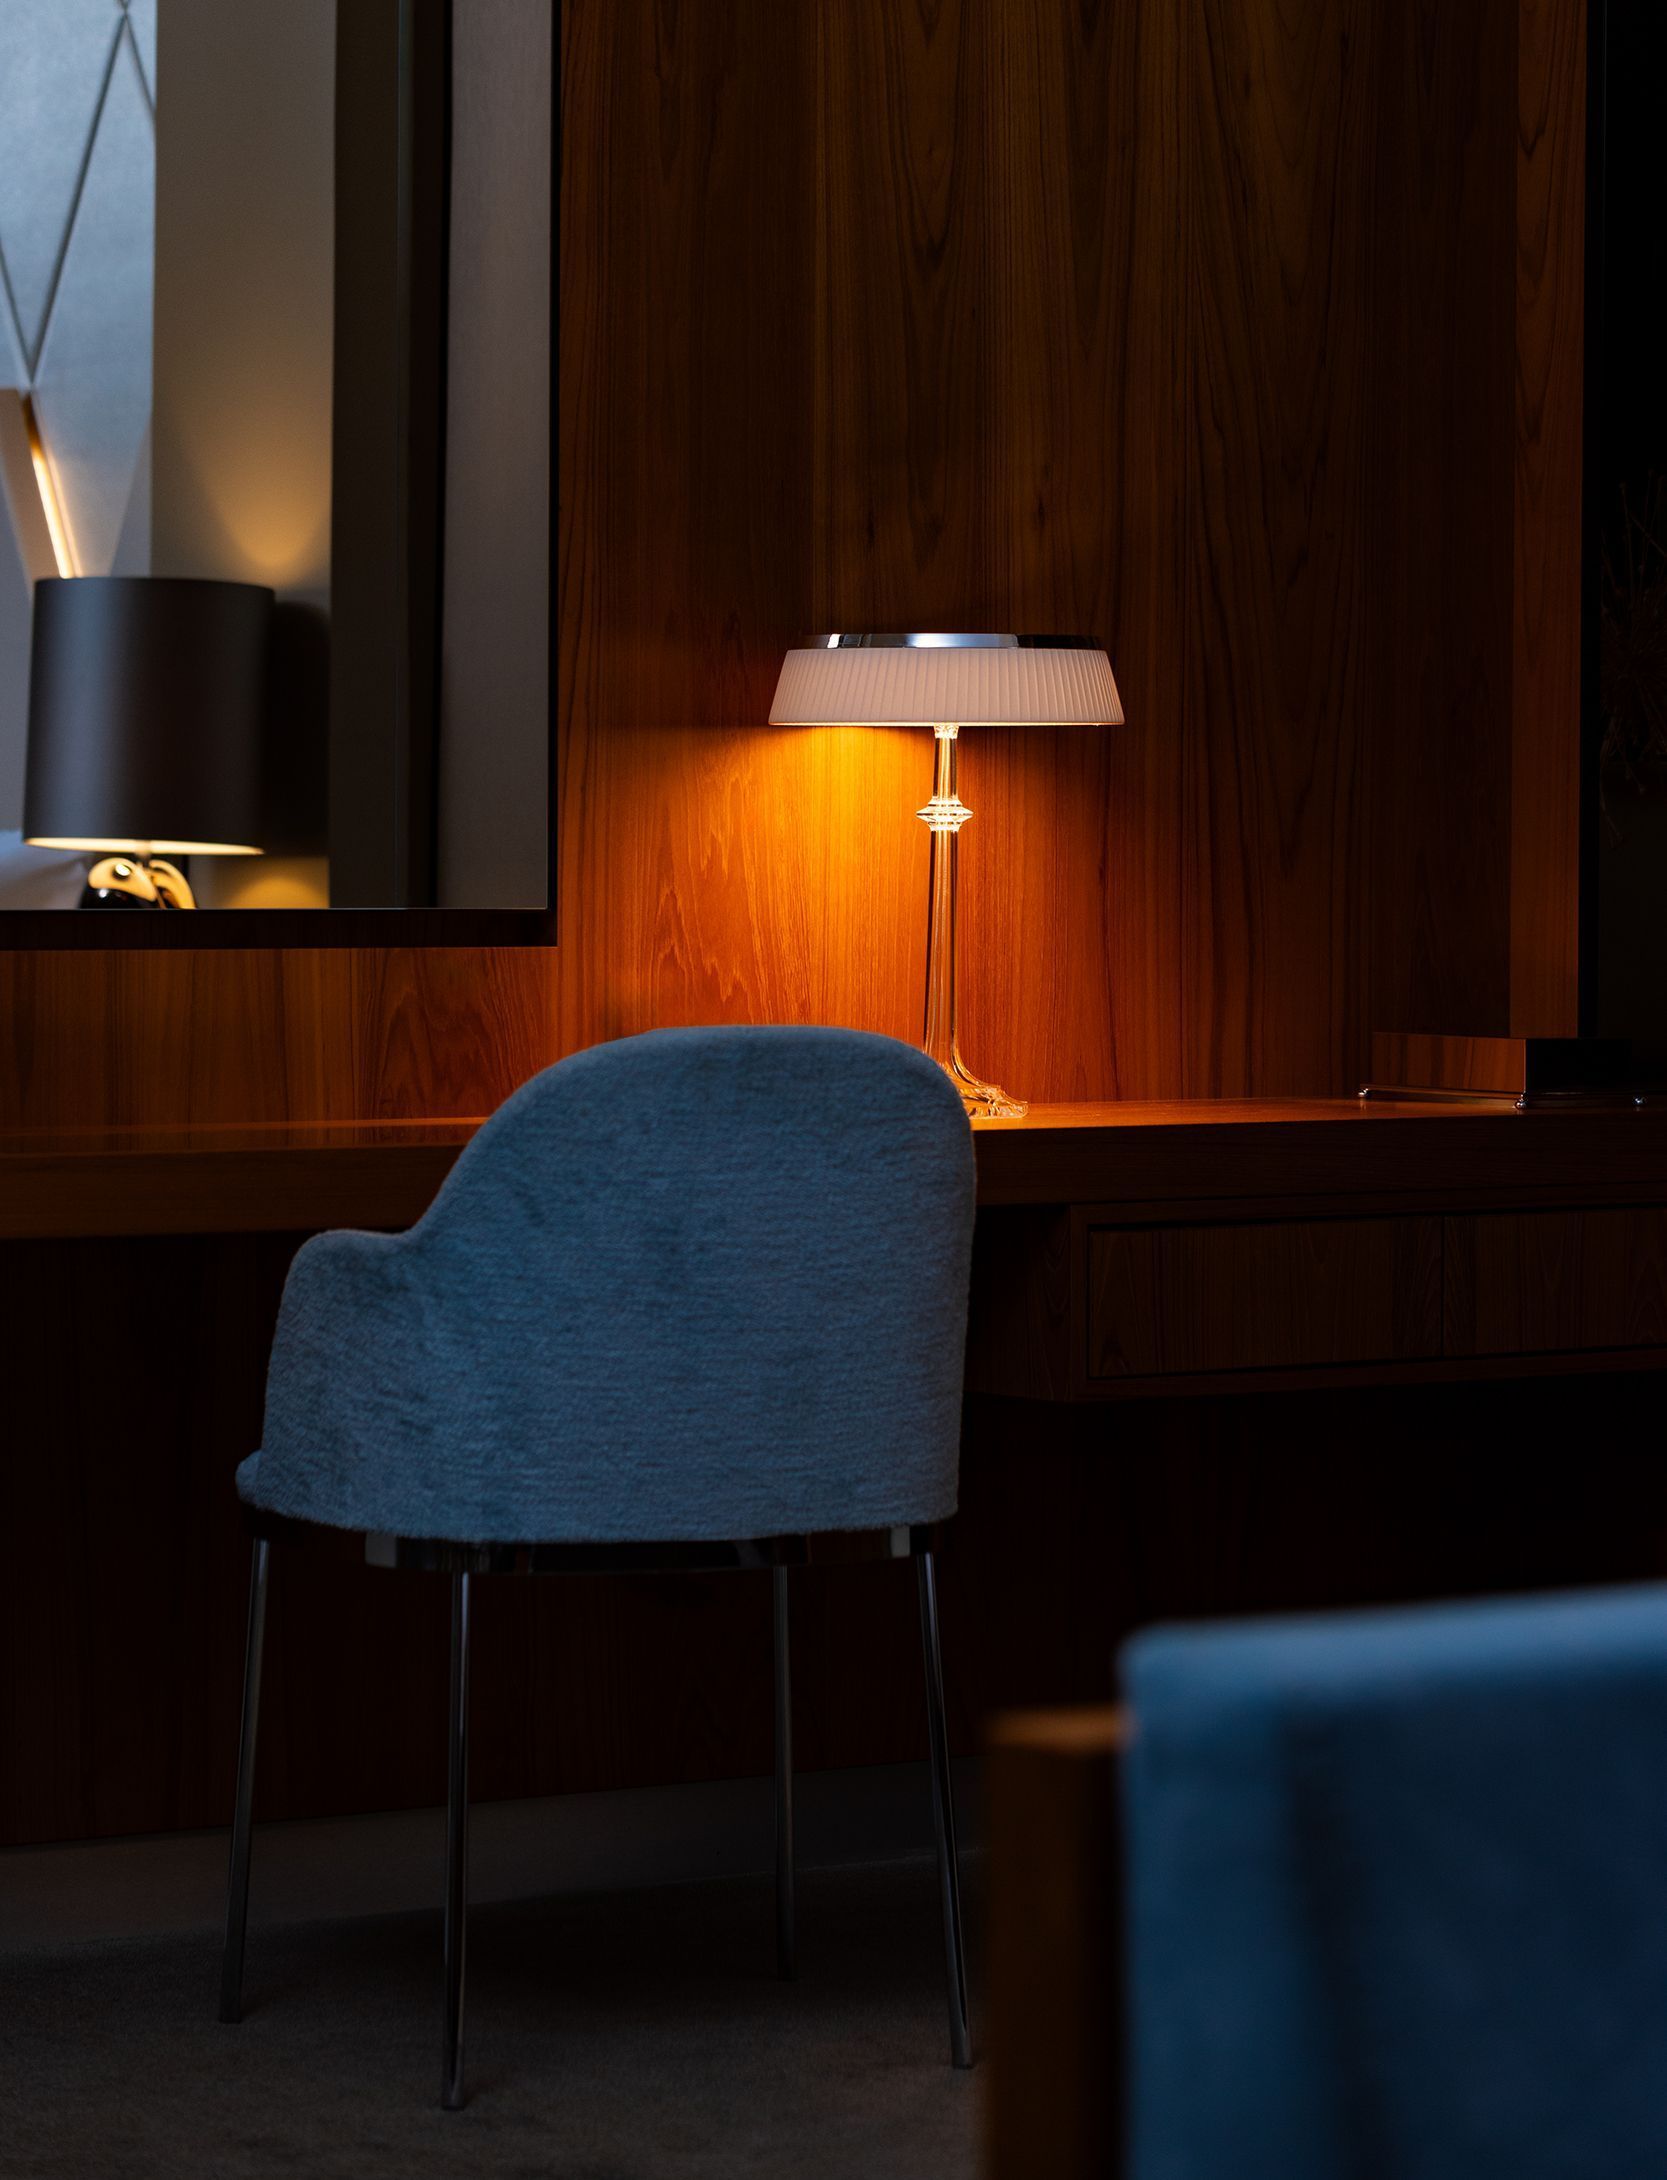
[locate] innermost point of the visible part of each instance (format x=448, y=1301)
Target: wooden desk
x=1180, y=1154
x=1124, y=1250
x=80, y=1184
x=139, y=1281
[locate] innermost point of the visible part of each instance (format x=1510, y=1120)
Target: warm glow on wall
x=118, y=844
x=945, y=682
x=51, y=506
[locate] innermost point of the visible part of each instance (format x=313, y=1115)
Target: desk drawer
x=1166, y=1300
x=1540, y=1282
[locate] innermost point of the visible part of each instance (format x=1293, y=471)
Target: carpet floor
x=610, y=2037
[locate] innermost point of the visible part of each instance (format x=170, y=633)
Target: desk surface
x=1182, y=1152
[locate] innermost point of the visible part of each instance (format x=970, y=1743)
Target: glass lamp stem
x=940, y=905
x=943, y=817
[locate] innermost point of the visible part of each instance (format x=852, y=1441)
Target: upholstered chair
x=694, y=1299
x=1397, y=1891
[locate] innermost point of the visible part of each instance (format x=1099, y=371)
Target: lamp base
x=134, y=881
x=982, y=1100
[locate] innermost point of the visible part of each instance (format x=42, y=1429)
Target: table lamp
x=147, y=706
x=947, y=683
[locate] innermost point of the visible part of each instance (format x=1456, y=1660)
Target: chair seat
x=644, y=1555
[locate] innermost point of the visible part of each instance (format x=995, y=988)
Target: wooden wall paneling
x=1475, y=831
x=1074, y=903
x=1438, y=559
x=1276, y=711
x=685, y=449
x=1495, y=1066
x=874, y=314
x=905, y=467
x=130, y=1396
x=113, y=1039
x=1083, y=1523
x=1547, y=775
x=1183, y=325
x=900, y=446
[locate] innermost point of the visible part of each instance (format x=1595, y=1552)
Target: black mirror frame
x=393, y=65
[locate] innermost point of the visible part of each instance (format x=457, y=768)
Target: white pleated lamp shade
x=908, y=681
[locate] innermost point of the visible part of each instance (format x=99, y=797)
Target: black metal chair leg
x=785, y=1935
x=237, y=1878
x=943, y=1812
x=457, y=1845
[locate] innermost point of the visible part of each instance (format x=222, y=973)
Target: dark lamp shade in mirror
x=147, y=702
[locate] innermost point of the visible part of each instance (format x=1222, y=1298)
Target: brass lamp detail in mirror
x=147, y=707
x=946, y=683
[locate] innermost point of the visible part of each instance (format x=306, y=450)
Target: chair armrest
x=335, y=1276
x=1053, y=2106
x=349, y=1336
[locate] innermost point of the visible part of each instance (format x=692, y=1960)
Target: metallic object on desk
x=1538, y=1074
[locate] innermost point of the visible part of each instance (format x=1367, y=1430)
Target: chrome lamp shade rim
x=926, y=678
x=924, y=640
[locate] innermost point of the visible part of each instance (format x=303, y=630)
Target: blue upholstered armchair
x=694, y=1298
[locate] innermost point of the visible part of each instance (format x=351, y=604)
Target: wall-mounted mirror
x=275, y=400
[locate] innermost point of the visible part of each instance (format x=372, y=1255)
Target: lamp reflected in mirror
x=147, y=711
x=286, y=325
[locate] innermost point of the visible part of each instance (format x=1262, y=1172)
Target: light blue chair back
x=705, y=1283
x=1398, y=1894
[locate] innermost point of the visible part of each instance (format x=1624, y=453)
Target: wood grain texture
x=1076, y=1524
x=1156, y=1163
x=115, y=1039
x=1436, y=821
x=1024, y=1322
x=895, y=312
x=1547, y=776
x=1274, y=709
x=1493, y=1066
x=1538, y=1282
x=1176, y=1300
x=231, y=1181
x=1055, y=1945
x=1073, y=893
x=1361, y=1155
x=1189, y=327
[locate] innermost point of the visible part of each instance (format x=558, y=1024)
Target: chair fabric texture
x=704, y=1283
x=1398, y=1895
